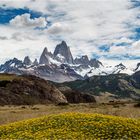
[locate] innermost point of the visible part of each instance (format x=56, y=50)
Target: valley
x=26, y=96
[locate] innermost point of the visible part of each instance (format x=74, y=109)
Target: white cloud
x=36, y=5
x=118, y=50
x=19, y=36
x=122, y=40
x=133, y=50
x=26, y=21
x=3, y=38
x=58, y=28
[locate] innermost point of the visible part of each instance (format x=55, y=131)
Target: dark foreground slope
x=118, y=86
x=29, y=89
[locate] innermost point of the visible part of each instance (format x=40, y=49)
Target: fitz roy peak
x=60, y=66
x=63, y=54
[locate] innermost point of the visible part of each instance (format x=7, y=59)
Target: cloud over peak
x=58, y=28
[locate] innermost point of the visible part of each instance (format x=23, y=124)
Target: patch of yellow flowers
x=73, y=126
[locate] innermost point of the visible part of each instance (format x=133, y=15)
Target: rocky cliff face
x=11, y=66
x=84, y=60
x=74, y=96
x=35, y=62
x=63, y=54
x=45, y=56
x=138, y=66
x=28, y=90
x=27, y=61
x=95, y=63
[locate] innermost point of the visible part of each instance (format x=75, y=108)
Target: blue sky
x=6, y=14
x=107, y=29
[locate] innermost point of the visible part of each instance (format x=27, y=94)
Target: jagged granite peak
x=11, y=66
x=84, y=60
x=95, y=63
x=35, y=62
x=44, y=58
x=63, y=52
x=13, y=63
x=27, y=61
x=45, y=51
x=85, y=57
x=121, y=66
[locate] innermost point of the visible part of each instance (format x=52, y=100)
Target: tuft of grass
x=73, y=126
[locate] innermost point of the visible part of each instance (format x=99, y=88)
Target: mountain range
x=60, y=66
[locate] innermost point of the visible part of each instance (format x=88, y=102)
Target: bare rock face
x=120, y=66
x=63, y=51
x=44, y=58
x=78, y=97
x=84, y=60
x=95, y=63
x=29, y=90
x=138, y=66
x=74, y=96
x=27, y=61
x=12, y=66
x=35, y=62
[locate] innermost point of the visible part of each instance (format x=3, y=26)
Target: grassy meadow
x=9, y=114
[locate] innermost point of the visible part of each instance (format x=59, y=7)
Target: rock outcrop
x=44, y=58
x=27, y=61
x=84, y=60
x=74, y=96
x=19, y=90
x=63, y=54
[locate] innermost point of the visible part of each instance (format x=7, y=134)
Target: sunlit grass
x=8, y=77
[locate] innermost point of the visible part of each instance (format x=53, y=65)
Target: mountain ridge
x=114, y=86
x=60, y=66
x=30, y=90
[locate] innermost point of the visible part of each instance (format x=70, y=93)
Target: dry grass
x=10, y=114
x=8, y=77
